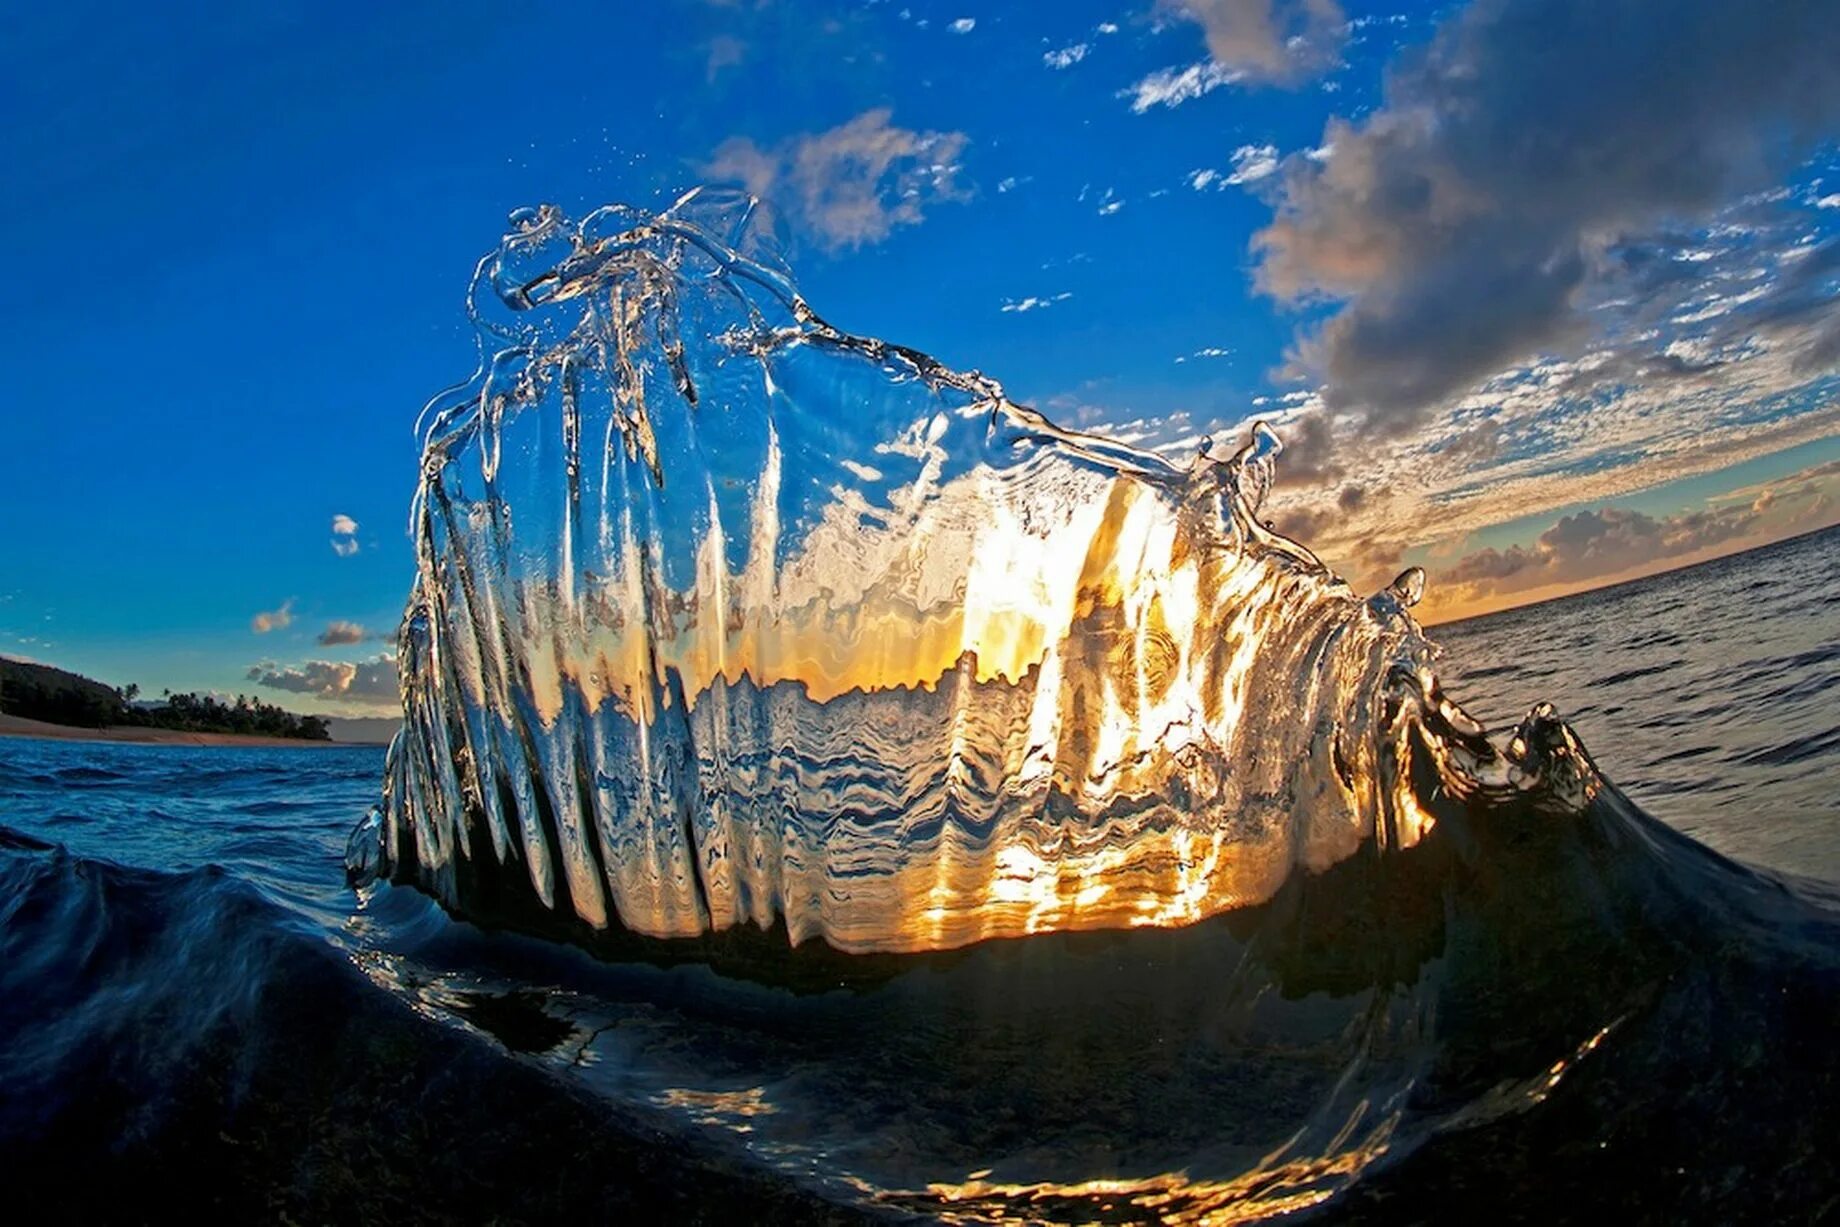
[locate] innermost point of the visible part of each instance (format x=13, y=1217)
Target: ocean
x=198, y=1015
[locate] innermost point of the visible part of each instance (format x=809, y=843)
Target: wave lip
x=724, y=615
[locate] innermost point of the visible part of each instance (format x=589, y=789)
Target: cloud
x=344, y=536
x=964, y=25
x=1464, y=226
x=1033, y=303
x=341, y=632
x=1171, y=87
x=725, y=51
x=273, y=619
x=1277, y=42
x=343, y=526
x=852, y=185
x=1252, y=163
x=1599, y=544
x=373, y=680
x=1066, y=57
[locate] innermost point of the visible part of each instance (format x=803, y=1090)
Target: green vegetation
x=40, y=692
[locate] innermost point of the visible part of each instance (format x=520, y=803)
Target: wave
x=1166, y=880
x=174, y=1041
x=725, y=616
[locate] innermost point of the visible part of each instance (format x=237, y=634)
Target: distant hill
x=58, y=696
x=42, y=692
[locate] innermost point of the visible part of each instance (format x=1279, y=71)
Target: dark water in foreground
x=1555, y=1020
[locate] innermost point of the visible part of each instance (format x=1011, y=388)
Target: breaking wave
x=739, y=640
x=726, y=616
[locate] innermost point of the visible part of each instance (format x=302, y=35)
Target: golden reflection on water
x=1273, y=1189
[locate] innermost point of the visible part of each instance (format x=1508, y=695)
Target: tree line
x=40, y=692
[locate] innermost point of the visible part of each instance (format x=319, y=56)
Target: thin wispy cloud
x=852, y=185
x=1066, y=57
x=1171, y=87
x=1252, y=163
x=724, y=51
x=1019, y=306
x=274, y=619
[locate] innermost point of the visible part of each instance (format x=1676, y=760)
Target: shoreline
x=44, y=730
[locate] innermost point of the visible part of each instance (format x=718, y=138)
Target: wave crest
x=724, y=615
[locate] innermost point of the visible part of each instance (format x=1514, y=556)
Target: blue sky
x=1494, y=267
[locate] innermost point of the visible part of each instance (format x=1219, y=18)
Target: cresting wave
x=725, y=616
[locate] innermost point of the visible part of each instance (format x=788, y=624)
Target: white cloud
x=1171, y=87
x=1066, y=57
x=1106, y=27
x=1252, y=163
x=1033, y=303
x=1828, y=202
x=344, y=536
x=1200, y=179
x=964, y=25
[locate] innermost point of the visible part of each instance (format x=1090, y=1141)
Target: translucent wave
x=727, y=617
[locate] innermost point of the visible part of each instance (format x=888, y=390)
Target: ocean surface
x=198, y=1015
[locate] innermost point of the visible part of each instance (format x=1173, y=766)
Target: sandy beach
x=19, y=726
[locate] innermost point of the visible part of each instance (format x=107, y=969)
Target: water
x=1710, y=695
x=271, y=1040
x=728, y=619
x=830, y=789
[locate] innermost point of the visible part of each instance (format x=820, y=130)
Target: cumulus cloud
x=964, y=25
x=341, y=632
x=1599, y=544
x=273, y=619
x=1277, y=42
x=1066, y=57
x=1463, y=225
x=344, y=536
x=852, y=185
x=365, y=680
